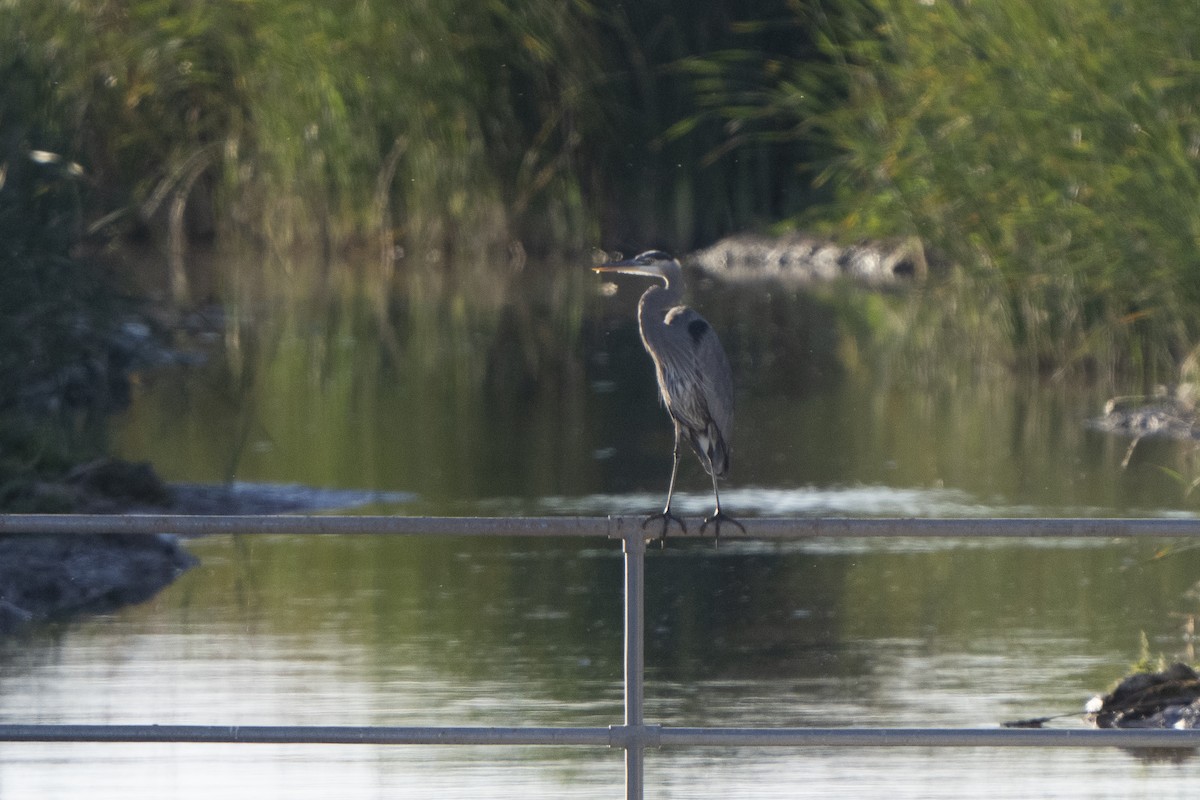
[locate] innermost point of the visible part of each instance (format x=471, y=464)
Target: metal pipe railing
x=635, y=662
x=635, y=735
x=308, y=734
x=656, y=736
x=613, y=526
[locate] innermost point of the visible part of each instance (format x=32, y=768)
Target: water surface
x=519, y=410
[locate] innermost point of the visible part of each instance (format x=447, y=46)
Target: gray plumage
x=694, y=378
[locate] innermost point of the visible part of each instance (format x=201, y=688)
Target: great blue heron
x=694, y=378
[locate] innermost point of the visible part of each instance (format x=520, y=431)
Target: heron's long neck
x=657, y=301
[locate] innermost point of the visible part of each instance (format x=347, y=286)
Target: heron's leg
x=666, y=516
x=718, y=516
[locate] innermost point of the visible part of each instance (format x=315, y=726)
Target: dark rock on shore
x=1166, y=699
x=109, y=485
x=56, y=577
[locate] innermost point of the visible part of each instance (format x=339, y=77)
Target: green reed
x=1050, y=151
x=427, y=150
x=448, y=128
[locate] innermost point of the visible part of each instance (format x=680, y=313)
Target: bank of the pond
x=44, y=578
x=59, y=577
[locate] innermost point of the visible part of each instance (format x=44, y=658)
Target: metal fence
x=633, y=734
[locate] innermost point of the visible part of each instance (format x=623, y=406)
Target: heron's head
x=651, y=264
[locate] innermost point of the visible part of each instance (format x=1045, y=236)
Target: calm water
x=546, y=405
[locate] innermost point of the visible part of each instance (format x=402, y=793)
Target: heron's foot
x=667, y=518
x=715, y=520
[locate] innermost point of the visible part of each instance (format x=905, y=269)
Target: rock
x=47, y=577
x=1167, y=699
x=121, y=482
x=801, y=258
x=13, y=617
x=54, y=577
x=1169, y=413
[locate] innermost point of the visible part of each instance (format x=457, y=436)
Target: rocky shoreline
x=47, y=578
x=57, y=577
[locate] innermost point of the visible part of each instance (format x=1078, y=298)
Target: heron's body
x=694, y=378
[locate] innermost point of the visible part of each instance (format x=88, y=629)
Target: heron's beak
x=629, y=266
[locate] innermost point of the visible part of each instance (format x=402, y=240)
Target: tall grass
x=280, y=118
x=450, y=127
x=1051, y=150
x=415, y=155
x=1047, y=150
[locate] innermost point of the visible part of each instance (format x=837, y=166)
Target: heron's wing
x=702, y=393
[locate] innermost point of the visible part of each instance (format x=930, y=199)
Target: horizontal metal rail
x=635, y=735
x=615, y=736
x=310, y=734
x=614, y=526
x=927, y=737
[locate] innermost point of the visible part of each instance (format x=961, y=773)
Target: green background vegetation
x=1049, y=149
x=457, y=126
x=410, y=159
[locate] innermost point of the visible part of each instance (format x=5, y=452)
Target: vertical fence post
x=635, y=661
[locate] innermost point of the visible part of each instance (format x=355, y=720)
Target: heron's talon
x=716, y=519
x=667, y=518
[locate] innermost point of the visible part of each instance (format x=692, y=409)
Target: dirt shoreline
x=51, y=577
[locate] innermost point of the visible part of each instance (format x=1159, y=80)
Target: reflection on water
x=512, y=415
x=810, y=501
x=509, y=413
x=366, y=630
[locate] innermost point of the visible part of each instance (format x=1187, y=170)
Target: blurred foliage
x=669, y=168
x=1051, y=150
x=277, y=119
x=460, y=130
x=1048, y=151
x=58, y=315
x=419, y=154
